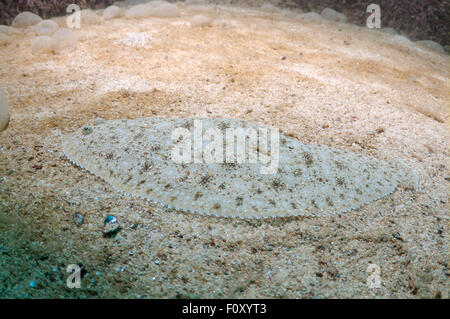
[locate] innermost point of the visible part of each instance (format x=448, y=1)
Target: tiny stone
x=333, y=15
x=46, y=27
x=25, y=19
x=112, y=12
x=138, y=11
x=88, y=17
x=165, y=10
x=41, y=44
x=397, y=236
x=64, y=40
x=78, y=219
x=111, y=226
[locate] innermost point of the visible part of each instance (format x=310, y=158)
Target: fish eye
x=87, y=130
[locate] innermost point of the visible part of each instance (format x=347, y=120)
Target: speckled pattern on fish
x=134, y=156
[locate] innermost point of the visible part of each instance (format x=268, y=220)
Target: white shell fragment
x=136, y=157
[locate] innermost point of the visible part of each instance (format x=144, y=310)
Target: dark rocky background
x=419, y=19
x=44, y=8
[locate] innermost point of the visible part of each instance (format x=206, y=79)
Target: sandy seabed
x=322, y=82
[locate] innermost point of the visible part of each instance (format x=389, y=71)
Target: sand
x=335, y=84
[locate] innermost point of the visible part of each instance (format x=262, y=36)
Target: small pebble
x=200, y=21
x=112, y=12
x=397, y=236
x=25, y=19
x=111, y=226
x=78, y=219
x=63, y=41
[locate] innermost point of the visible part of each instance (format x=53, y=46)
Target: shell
x=111, y=225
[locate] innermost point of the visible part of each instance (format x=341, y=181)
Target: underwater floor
x=321, y=82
